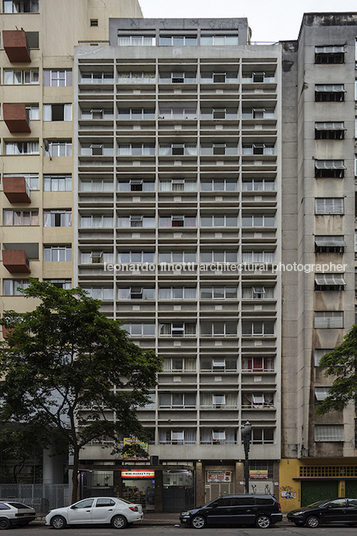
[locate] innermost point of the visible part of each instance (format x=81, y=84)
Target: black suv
x=259, y=510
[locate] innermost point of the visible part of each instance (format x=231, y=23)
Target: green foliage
x=341, y=363
x=66, y=366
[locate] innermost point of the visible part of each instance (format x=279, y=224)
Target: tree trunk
x=75, y=478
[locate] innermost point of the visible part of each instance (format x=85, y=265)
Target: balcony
x=15, y=46
x=16, y=189
x=16, y=118
x=15, y=261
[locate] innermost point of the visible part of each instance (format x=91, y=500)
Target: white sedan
x=96, y=510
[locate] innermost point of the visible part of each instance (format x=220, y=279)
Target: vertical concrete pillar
x=239, y=477
x=341, y=488
x=158, y=490
x=200, y=483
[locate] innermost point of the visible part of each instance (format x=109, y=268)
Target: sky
x=270, y=20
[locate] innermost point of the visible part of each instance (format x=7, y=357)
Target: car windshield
x=18, y=505
x=124, y=501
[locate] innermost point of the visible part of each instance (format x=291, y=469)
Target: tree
x=68, y=368
x=342, y=364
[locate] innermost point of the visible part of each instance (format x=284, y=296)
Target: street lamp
x=246, y=429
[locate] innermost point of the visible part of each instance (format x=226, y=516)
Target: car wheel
x=58, y=522
x=263, y=522
x=119, y=522
x=198, y=522
x=4, y=523
x=312, y=522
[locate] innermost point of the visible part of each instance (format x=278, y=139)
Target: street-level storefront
x=138, y=486
x=303, y=482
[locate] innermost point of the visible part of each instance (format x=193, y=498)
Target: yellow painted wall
x=289, y=469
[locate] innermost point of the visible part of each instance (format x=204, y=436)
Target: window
x=56, y=78
x=257, y=400
x=258, y=364
x=96, y=257
x=177, y=149
x=95, y=185
x=125, y=222
x=21, y=147
x=218, y=293
x=57, y=253
x=136, y=40
x=219, y=77
x=99, y=293
x=140, y=330
x=258, y=220
x=258, y=113
x=61, y=283
x=321, y=393
x=329, y=282
x=177, y=400
x=179, y=365
x=136, y=293
x=57, y=218
x=219, y=113
x=177, y=221
x=330, y=130
x=177, y=293
x=32, y=179
x=57, y=183
x=15, y=77
x=136, y=113
x=330, y=54
x=318, y=353
x=96, y=149
x=219, y=185
x=218, y=364
x=258, y=256
x=329, y=433
x=137, y=257
x=94, y=22
x=21, y=6
x=136, y=149
x=32, y=112
x=32, y=40
x=178, y=40
x=178, y=77
x=219, y=220
x=219, y=40
x=178, y=185
x=97, y=113
x=57, y=112
x=329, y=169
x=13, y=287
x=329, y=92
x=177, y=437
x=97, y=221
x=218, y=329
x=21, y=217
x=252, y=185
x=258, y=293
x=257, y=328
x=258, y=149
x=328, y=319
x=137, y=185
x=178, y=329
x=105, y=502
x=329, y=205
x=136, y=77
x=262, y=436
x=219, y=256
x=329, y=244
x=219, y=149
x=172, y=257
x=101, y=77
x=58, y=148
x=218, y=436
x=178, y=111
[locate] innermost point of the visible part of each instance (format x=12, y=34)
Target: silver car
x=13, y=513
x=97, y=510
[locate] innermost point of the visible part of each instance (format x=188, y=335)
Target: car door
x=335, y=511
x=219, y=511
x=103, y=510
x=81, y=512
x=243, y=510
x=351, y=510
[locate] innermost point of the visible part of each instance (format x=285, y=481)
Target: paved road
x=36, y=529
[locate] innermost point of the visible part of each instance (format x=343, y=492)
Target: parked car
x=326, y=511
x=15, y=513
x=259, y=510
x=97, y=510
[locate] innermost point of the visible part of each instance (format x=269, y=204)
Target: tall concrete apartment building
x=168, y=166
x=177, y=183
x=319, y=170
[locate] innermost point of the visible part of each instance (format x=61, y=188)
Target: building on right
x=318, y=188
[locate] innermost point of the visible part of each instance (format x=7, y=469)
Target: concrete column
x=239, y=477
x=200, y=483
x=52, y=467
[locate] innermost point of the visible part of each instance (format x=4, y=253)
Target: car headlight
x=185, y=513
x=297, y=513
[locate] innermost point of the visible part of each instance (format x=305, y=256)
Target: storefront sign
x=131, y=456
x=258, y=474
x=219, y=476
x=138, y=474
